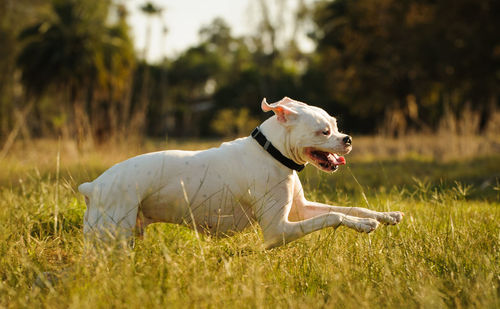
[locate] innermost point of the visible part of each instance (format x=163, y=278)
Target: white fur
x=225, y=189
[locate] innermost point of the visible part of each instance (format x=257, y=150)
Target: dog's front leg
x=278, y=230
x=281, y=224
x=312, y=209
x=303, y=209
x=286, y=231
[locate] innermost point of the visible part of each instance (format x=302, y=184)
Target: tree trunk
x=20, y=120
x=82, y=130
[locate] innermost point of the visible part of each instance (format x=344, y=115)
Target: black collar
x=266, y=144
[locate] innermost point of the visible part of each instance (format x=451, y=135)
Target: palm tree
x=151, y=11
x=138, y=121
x=117, y=62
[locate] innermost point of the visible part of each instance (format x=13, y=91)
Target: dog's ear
x=282, y=112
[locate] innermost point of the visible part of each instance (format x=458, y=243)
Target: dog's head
x=313, y=135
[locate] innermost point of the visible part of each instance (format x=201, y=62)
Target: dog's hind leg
x=140, y=224
x=110, y=216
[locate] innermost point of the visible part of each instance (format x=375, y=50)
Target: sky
x=183, y=19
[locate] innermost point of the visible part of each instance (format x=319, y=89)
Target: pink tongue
x=338, y=160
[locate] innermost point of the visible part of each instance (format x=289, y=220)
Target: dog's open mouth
x=325, y=160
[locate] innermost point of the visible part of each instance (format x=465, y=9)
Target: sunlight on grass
x=445, y=253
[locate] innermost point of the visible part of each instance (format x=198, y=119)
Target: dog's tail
x=86, y=190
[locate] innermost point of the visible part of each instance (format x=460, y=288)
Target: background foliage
x=68, y=68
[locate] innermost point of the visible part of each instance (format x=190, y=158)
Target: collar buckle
x=266, y=145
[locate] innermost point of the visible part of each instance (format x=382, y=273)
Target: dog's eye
x=326, y=132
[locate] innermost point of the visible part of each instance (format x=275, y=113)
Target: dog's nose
x=347, y=140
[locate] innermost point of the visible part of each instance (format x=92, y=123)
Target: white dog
x=223, y=190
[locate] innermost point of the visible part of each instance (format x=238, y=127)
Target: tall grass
x=445, y=253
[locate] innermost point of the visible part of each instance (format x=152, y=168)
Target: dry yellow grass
x=444, y=254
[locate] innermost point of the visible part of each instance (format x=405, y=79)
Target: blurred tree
x=61, y=52
x=231, y=122
x=394, y=63
x=192, y=78
x=150, y=10
x=138, y=121
x=248, y=70
x=75, y=51
x=110, y=94
x=395, y=66
x=14, y=15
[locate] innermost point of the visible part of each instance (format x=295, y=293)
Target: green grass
x=445, y=253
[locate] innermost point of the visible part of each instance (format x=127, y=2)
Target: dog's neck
x=281, y=139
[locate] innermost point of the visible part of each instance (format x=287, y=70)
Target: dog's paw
x=390, y=218
x=366, y=225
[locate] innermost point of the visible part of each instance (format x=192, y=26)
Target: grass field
x=445, y=253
